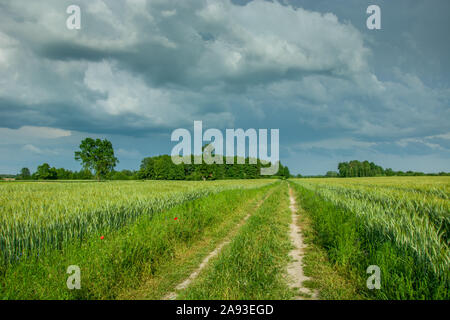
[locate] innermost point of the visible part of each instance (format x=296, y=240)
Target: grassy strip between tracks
x=253, y=265
x=122, y=260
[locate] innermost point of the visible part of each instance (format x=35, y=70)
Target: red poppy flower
x=175, y=218
x=102, y=237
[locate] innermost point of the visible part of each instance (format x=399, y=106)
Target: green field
x=141, y=239
x=399, y=224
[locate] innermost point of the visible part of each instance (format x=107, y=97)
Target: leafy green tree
x=64, y=174
x=97, y=155
x=283, y=172
x=356, y=168
x=25, y=174
x=121, y=175
x=162, y=168
x=332, y=174
x=83, y=174
x=343, y=169
x=146, y=170
x=45, y=172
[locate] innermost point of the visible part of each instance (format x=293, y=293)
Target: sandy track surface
x=295, y=267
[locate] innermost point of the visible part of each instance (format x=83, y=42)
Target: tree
x=121, y=175
x=84, y=174
x=64, y=174
x=332, y=174
x=44, y=172
x=343, y=168
x=25, y=174
x=162, y=168
x=146, y=171
x=97, y=155
x=357, y=168
x=283, y=172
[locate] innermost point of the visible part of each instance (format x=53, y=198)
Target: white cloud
x=445, y=136
x=40, y=151
x=126, y=93
x=428, y=141
x=169, y=13
x=405, y=142
x=33, y=149
x=296, y=59
x=267, y=36
x=29, y=133
x=162, y=64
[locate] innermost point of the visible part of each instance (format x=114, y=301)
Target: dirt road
x=295, y=267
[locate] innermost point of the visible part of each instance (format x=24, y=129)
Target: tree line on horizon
x=158, y=168
x=365, y=168
x=163, y=168
x=98, y=161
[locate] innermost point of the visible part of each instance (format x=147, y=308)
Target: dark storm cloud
x=142, y=68
x=70, y=117
x=413, y=35
x=67, y=50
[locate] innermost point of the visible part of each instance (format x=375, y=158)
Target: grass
x=253, y=264
x=352, y=234
x=401, y=225
x=40, y=216
x=125, y=257
x=329, y=280
x=188, y=256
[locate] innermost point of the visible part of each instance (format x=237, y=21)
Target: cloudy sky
x=139, y=69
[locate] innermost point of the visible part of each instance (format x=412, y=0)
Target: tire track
x=295, y=267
